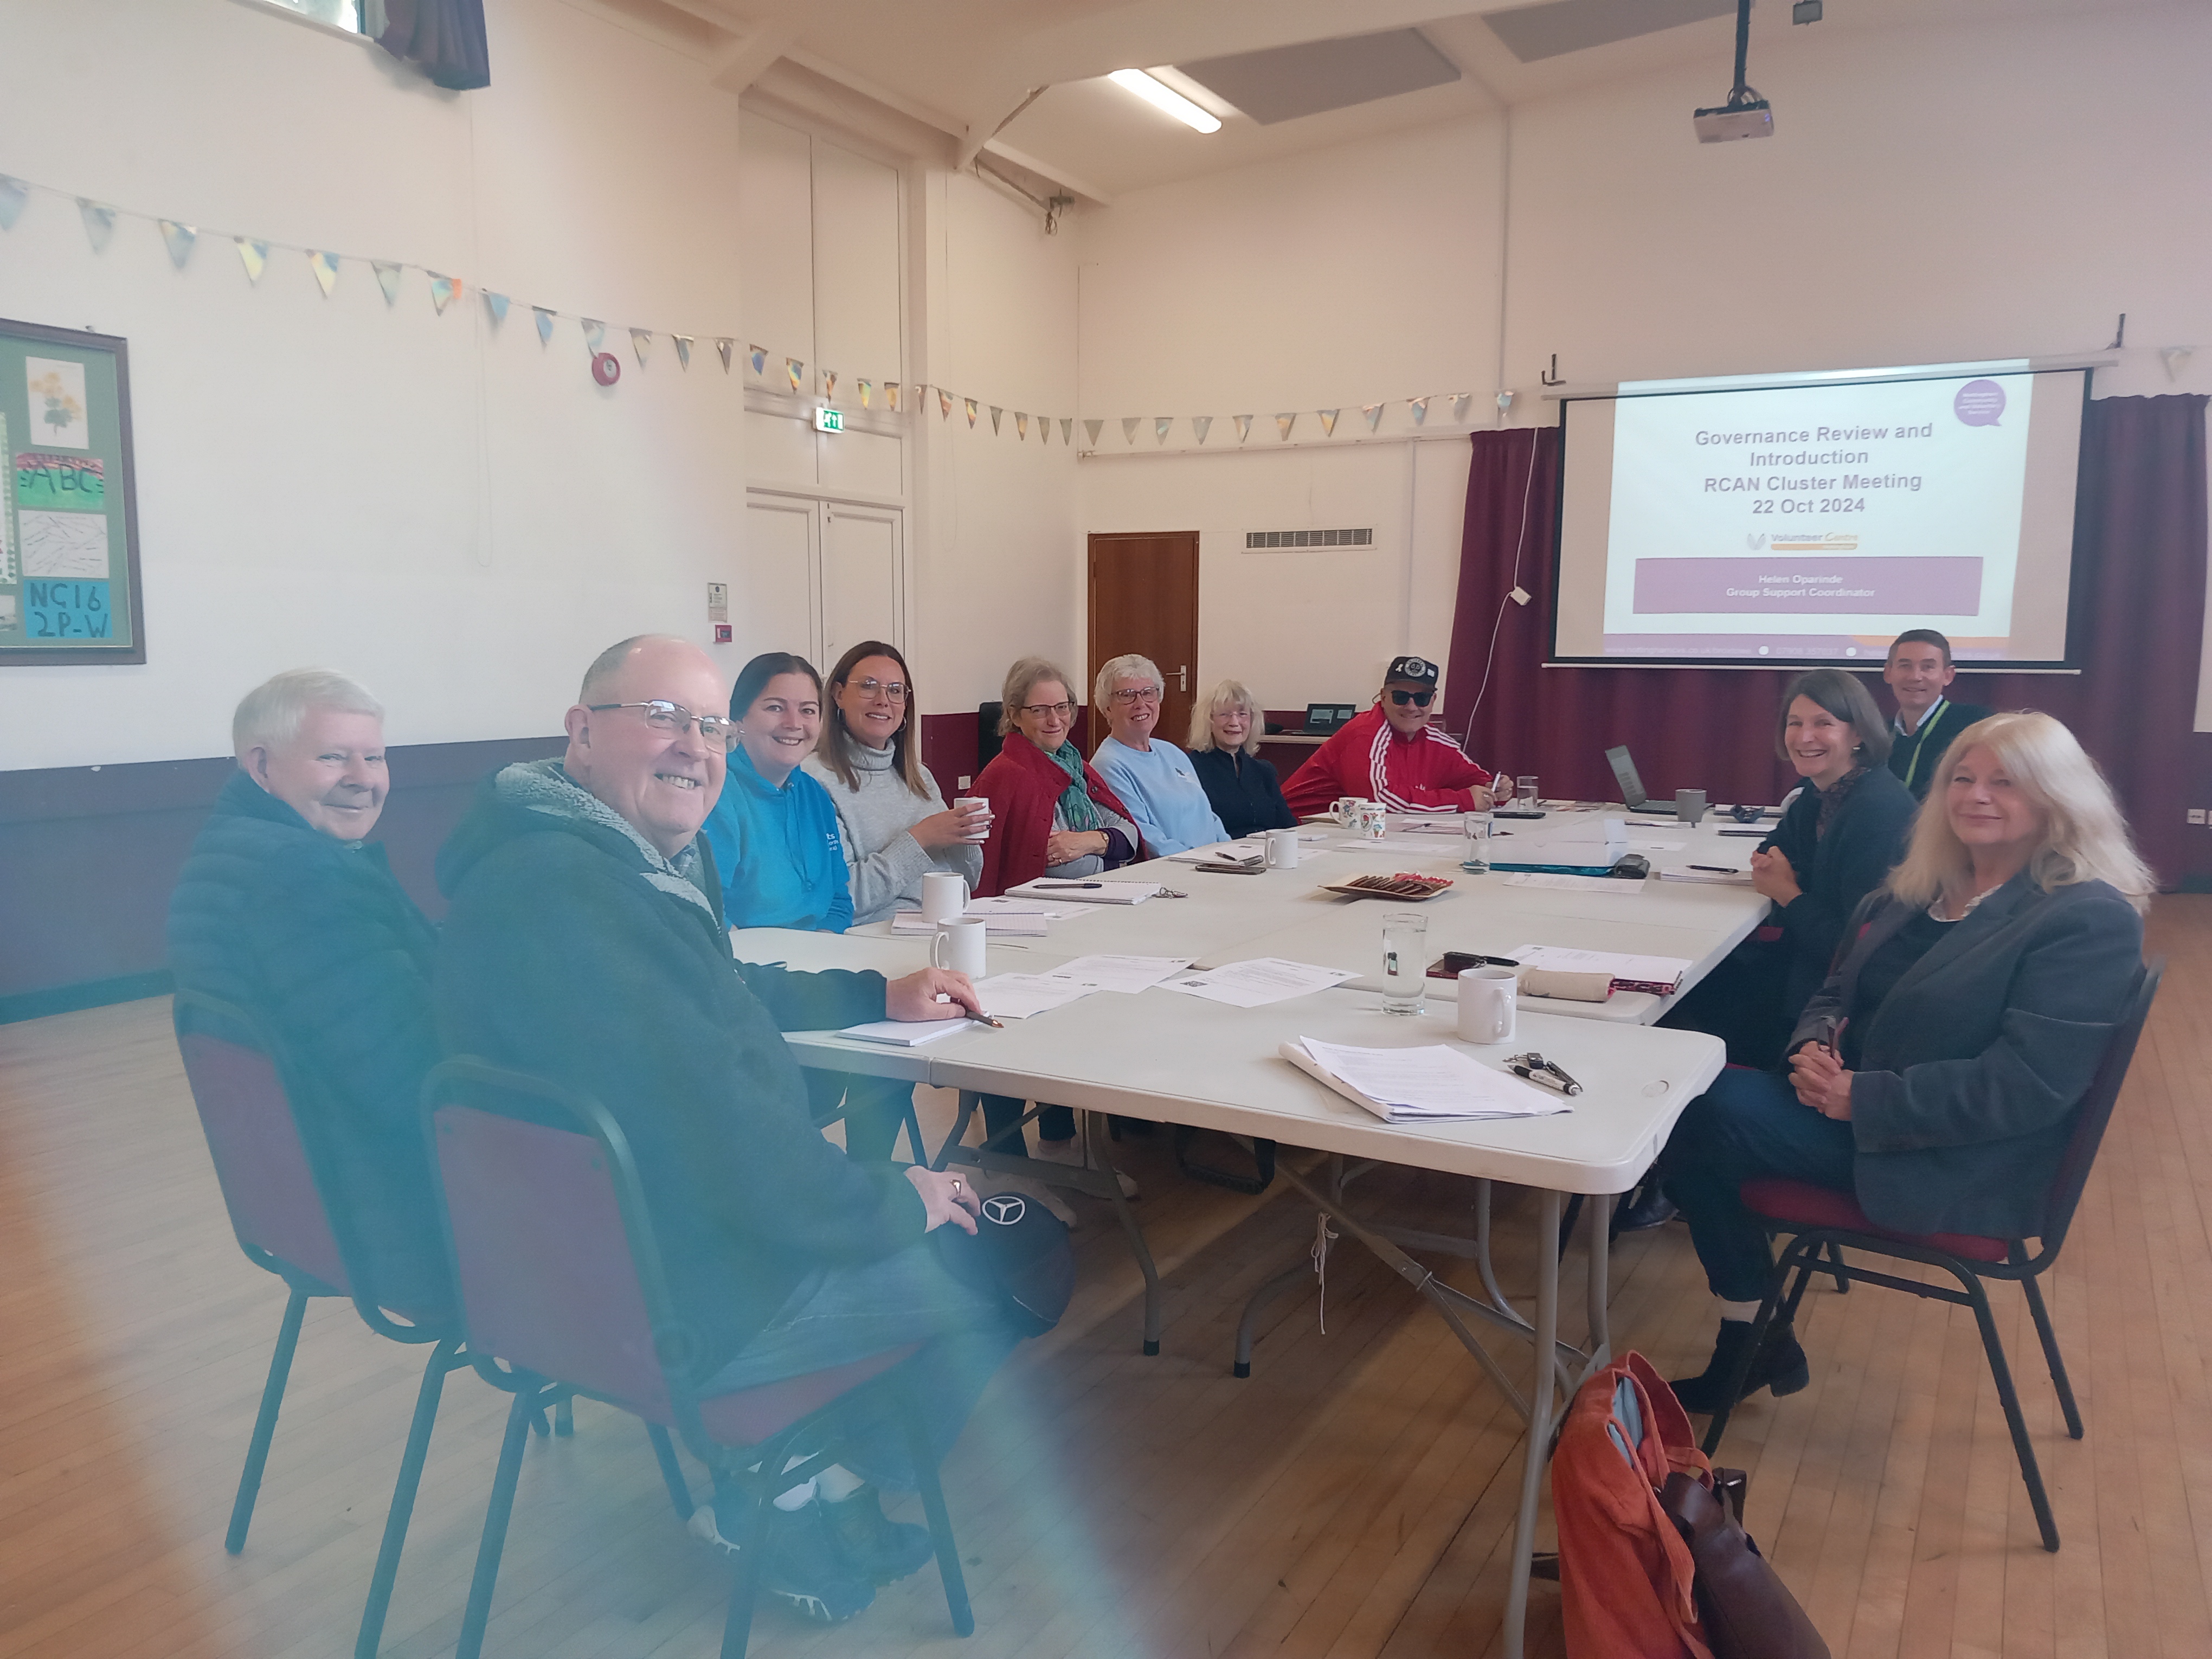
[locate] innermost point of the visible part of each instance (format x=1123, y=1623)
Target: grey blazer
x=1970, y=1069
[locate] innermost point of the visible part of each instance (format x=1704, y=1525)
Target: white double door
x=821, y=576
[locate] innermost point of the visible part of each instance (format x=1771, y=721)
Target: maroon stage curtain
x=2140, y=553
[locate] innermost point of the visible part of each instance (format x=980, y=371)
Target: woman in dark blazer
x=1224, y=752
x=1935, y=1074
x=1833, y=847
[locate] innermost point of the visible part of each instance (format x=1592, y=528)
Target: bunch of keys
x=1537, y=1069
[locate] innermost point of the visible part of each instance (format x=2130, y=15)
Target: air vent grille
x=1269, y=541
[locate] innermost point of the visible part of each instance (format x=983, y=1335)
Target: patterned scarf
x=1077, y=808
x=1832, y=799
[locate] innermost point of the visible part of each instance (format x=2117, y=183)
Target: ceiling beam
x=748, y=58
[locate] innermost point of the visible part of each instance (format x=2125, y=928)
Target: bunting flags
x=1374, y=414
x=996, y=413
x=13, y=192
x=683, y=350
x=179, y=239
x=1327, y=422
x=1021, y=426
x=1129, y=427
x=99, y=222
x=756, y=353
x=388, y=279
x=1243, y=427
x=890, y=396
x=496, y=304
x=943, y=404
x=868, y=392
x=1283, y=425
x=325, y=267
x=1093, y=429
x=970, y=403
x=723, y=347
x=1420, y=408
x=795, y=372
x=595, y=333
x=444, y=290
x=1162, y=425
x=1067, y=429
x=641, y=342
x=829, y=385
x=1459, y=402
x=253, y=254
x=545, y=324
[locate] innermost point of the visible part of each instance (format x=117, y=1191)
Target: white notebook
x=908, y=1033
x=1432, y=1085
x=1087, y=892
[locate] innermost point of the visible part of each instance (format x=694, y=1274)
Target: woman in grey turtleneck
x=896, y=826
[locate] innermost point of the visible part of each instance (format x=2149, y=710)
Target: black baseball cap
x=1416, y=670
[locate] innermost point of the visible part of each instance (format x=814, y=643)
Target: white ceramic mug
x=1689, y=806
x=944, y=895
x=1485, y=1004
x=1344, y=810
x=1282, y=850
x=1373, y=820
x=959, y=946
x=963, y=803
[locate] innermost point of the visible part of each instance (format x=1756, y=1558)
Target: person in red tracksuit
x=1391, y=754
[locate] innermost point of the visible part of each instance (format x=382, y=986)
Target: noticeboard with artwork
x=69, y=514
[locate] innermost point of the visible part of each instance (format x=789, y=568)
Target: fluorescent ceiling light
x=1161, y=96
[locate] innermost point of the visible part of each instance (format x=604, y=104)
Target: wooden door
x=1143, y=598
x=776, y=604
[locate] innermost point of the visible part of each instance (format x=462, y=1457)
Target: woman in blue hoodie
x=775, y=829
x=781, y=863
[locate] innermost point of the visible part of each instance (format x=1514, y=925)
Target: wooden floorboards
x=1353, y=1498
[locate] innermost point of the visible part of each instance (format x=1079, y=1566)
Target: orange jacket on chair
x=1626, y=1579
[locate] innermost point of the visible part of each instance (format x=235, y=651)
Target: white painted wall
x=1933, y=195
x=999, y=565
x=459, y=517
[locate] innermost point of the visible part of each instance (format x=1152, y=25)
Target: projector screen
x=1812, y=518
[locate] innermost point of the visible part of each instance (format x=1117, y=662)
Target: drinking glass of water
x=1405, y=963
x=1477, y=826
x=1525, y=789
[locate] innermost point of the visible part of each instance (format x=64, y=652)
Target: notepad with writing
x=1087, y=892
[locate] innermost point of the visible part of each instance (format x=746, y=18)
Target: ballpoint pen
x=1537, y=1069
x=1058, y=884
x=975, y=1019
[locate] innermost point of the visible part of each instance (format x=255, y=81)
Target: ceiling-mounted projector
x=1746, y=114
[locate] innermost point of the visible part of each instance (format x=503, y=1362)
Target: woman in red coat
x=1051, y=815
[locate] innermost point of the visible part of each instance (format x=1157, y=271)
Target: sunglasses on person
x=1418, y=699
x=717, y=732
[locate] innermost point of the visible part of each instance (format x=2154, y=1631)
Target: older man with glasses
x=586, y=942
x=1391, y=754
x=1154, y=778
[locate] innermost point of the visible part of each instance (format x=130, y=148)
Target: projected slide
x=1817, y=521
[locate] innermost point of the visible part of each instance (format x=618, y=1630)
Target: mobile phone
x=1453, y=963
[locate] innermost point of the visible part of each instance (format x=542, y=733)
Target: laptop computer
x=1326, y=720
x=1632, y=785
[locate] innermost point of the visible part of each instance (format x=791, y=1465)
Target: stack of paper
x=1614, y=885
x=1432, y=1085
x=1034, y=925
x=1017, y=996
x=1253, y=984
x=1716, y=878
x=1086, y=892
x=1224, y=852
x=908, y=1033
x=1660, y=976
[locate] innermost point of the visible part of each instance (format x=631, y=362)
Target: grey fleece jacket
x=887, y=864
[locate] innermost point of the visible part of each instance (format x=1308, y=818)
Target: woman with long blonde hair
x=1934, y=1077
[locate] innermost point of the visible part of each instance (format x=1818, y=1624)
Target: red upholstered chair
x=562, y=1293
x=290, y=1218
x=1819, y=1220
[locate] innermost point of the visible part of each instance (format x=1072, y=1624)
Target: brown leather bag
x=1746, y=1610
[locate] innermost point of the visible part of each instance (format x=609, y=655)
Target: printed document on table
x=1126, y=973
x=1222, y=852
x=1434, y=1083
x=1557, y=958
x=1017, y=996
x=1255, y=983
x=1086, y=892
x=1613, y=884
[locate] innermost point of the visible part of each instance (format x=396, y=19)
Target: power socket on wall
x=2197, y=815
